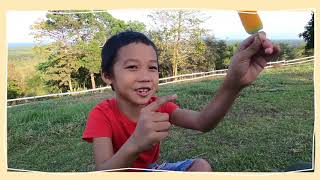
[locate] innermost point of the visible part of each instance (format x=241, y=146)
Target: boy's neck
x=132, y=111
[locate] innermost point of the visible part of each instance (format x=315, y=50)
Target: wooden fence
x=162, y=81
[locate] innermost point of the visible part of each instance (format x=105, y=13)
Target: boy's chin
x=143, y=101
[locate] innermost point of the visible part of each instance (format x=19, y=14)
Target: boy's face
x=135, y=73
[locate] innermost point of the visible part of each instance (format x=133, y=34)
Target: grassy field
x=24, y=60
x=269, y=127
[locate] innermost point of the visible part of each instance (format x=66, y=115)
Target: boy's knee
x=200, y=165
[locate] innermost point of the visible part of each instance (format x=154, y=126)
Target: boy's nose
x=145, y=76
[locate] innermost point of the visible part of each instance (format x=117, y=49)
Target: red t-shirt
x=106, y=120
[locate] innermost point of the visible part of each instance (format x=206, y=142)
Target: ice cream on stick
x=250, y=21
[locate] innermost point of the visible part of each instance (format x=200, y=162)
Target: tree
x=308, y=36
x=13, y=90
x=99, y=26
x=196, y=60
x=218, y=53
x=89, y=58
x=136, y=26
x=15, y=85
x=58, y=27
x=173, y=33
x=230, y=51
x=35, y=85
x=222, y=54
x=76, y=40
x=211, y=52
x=288, y=51
x=60, y=66
x=63, y=30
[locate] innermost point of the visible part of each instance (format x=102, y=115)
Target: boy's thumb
x=253, y=48
x=159, y=102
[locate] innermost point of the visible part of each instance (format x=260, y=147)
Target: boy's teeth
x=143, y=91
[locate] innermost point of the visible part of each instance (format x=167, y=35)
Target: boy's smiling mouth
x=143, y=91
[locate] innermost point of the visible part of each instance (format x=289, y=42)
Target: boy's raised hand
x=152, y=126
x=249, y=60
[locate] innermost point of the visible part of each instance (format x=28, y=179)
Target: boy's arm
x=247, y=63
x=210, y=116
x=105, y=158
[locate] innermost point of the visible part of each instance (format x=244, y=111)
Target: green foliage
x=308, y=36
x=71, y=61
x=218, y=53
x=289, y=52
x=228, y=55
x=222, y=53
x=59, y=67
x=195, y=61
x=76, y=39
x=136, y=26
x=57, y=27
x=178, y=36
x=36, y=85
x=89, y=57
x=81, y=79
x=164, y=53
x=15, y=86
x=22, y=62
x=210, y=53
x=13, y=90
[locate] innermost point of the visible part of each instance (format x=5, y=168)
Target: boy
x=126, y=131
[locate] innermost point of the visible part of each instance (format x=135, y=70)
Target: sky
x=223, y=24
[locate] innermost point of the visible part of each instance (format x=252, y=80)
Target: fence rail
x=170, y=80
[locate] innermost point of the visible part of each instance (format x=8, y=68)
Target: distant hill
x=20, y=53
x=21, y=44
x=291, y=42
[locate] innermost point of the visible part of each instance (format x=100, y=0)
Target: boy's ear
x=106, y=78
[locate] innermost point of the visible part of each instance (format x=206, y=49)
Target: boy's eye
x=153, y=67
x=132, y=67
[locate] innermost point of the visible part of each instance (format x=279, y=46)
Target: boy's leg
x=200, y=165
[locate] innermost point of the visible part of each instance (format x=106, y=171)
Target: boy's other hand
x=249, y=60
x=152, y=126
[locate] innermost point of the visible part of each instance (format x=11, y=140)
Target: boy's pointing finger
x=159, y=102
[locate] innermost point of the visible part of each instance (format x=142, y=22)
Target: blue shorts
x=177, y=166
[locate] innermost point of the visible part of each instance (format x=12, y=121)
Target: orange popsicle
x=250, y=21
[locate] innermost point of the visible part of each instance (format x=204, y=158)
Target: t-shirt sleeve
x=98, y=125
x=169, y=107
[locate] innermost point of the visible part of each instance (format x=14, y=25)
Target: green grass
x=269, y=127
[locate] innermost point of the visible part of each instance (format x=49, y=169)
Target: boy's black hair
x=113, y=44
